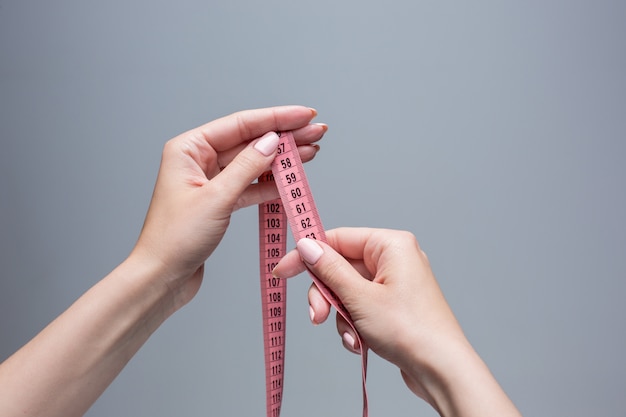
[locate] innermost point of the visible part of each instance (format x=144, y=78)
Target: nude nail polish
x=267, y=144
x=310, y=251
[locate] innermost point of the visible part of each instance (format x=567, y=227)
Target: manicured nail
x=310, y=251
x=312, y=315
x=313, y=111
x=349, y=340
x=322, y=125
x=267, y=144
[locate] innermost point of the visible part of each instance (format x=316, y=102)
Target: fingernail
x=312, y=315
x=322, y=125
x=310, y=251
x=267, y=144
x=313, y=111
x=349, y=340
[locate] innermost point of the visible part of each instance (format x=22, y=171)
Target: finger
x=319, y=307
x=348, y=337
x=350, y=242
x=306, y=135
x=245, y=168
x=310, y=133
x=360, y=266
x=307, y=153
x=231, y=130
x=333, y=270
x=256, y=194
x=289, y=265
x=361, y=242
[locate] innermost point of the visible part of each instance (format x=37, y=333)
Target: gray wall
x=495, y=131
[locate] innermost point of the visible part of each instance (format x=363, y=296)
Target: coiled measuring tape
x=296, y=207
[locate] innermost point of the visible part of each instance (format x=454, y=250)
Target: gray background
x=495, y=131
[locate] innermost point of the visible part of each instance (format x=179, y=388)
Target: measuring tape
x=295, y=206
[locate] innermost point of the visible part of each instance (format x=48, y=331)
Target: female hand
x=384, y=280
x=206, y=174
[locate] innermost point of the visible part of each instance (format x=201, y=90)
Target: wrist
x=146, y=277
x=172, y=287
x=453, y=378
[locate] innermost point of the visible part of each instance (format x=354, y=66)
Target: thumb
x=251, y=162
x=333, y=270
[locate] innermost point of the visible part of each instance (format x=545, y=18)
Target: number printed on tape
x=296, y=207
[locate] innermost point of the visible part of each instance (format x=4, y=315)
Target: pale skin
x=385, y=281
x=205, y=175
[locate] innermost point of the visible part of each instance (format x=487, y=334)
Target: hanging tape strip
x=295, y=205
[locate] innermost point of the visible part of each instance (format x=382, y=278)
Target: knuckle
x=170, y=147
x=404, y=239
x=244, y=160
x=246, y=164
x=409, y=240
x=331, y=268
x=242, y=125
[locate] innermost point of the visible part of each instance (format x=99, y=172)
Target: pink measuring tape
x=297, y=207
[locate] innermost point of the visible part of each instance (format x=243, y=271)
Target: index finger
x=231, y=130
x=350, y=241
x=375, y=246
